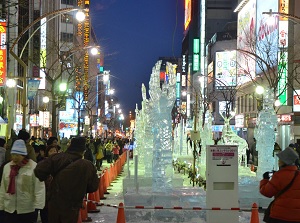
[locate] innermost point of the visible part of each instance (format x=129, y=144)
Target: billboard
x=225, y=69
x=246, y=36
x=3, y=53
x=267, y=34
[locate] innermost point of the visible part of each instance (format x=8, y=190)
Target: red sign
x=296, y=100
x=2, y=53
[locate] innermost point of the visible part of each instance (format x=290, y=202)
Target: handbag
x=268, y=210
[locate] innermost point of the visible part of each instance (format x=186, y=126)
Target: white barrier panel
x=222, y=182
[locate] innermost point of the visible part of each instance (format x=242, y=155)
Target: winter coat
x=100, y=154
x=73, y=177
x=30, y=192
x=287, y=206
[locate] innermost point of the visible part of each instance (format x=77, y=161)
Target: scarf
x=14, y=170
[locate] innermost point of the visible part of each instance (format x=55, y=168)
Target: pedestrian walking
x=21, y=193
x=284, y=186
x=73, y=177
x=108, y=151
x=99, y=156
x=116, y=150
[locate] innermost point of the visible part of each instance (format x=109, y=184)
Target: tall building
x=52, y=47
x=203, y=18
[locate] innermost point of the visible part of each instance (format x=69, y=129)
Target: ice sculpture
x=264, y=134
x=138, y=133
x=206, y=138
x=148, y=135
x=163, y=98
x=230, y=138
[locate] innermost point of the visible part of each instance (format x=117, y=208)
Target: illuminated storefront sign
x=3, y=53
x=210, y=72
x=34, y=120
x=287, y=119
x=296, y=101
x=283, y=52
x=187, y=13
x=183, y=80
x=196, y=51
x=183, y=63
x=44, y=119
x=178, y=86
x=225, y=68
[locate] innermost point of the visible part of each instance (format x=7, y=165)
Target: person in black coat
x=73, y=178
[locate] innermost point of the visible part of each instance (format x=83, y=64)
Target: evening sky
x=133, y=34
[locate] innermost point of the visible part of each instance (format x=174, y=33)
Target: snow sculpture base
x=185, y=197
x=249, y=193
x=129, y=183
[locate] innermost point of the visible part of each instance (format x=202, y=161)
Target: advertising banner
x=32, y=88
x=3, y=53
x=225, y=69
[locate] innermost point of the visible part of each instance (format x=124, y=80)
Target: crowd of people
x=50, y=177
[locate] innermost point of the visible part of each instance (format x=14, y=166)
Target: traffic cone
x=101, y=187
x=91, y=204
x=97, y=196
x=84, y=214
x=106, y=183
x=79, y=217
x=121, y=214
x=254, y=214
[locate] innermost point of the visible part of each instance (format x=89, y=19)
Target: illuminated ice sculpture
x=264, y=134
x=163, y=99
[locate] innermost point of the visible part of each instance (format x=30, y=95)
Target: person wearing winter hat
x=24, y=135
x=286, y=206
x=20, y=191
x=73, y=177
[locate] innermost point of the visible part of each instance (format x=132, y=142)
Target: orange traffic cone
x=84, y=214
x=254, y=214
x=121, y=214
x=105, y=183
x=101, y=187
x=79, y=217
x=91, y=204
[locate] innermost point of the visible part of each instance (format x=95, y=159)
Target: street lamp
x=260, y=91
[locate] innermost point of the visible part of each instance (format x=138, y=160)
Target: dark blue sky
x=133, y=34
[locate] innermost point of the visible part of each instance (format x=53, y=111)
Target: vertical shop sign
x=283, y=52
x=2, y=53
